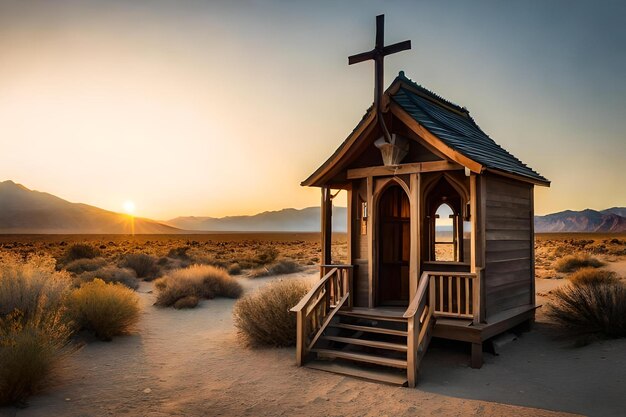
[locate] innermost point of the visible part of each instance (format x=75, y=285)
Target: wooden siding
x=508, y=244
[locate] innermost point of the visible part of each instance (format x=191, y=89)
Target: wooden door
x=394, y=247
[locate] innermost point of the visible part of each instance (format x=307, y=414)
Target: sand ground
x=191, y=363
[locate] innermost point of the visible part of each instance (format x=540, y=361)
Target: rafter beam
x=412, y=168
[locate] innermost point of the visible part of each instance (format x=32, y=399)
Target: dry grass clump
x=107, y=309
x=112, y=274
x=234, y=269
x=281, y=267
x=572, y=263
x=190, y=301
x=30, y=351
x=145, y=266
x=591, y=307
x=593, y=276
x=201, y=281
x=32, y=286
x=263, y=318
x=85, y=265
x=34, y=334
x=81, y=251
x=266, y=255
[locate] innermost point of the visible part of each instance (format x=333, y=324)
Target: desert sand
x=191, y=363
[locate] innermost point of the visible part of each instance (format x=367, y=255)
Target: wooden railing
x=439, y=294
x=319, y=305
x=455, y=294
x=420, y=322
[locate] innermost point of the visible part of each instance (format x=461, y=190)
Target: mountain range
x=611, y=220
x=27, y=211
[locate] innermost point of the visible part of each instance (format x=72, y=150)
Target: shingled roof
x=449, y=123
x=457, y=129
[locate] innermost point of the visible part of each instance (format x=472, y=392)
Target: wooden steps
x=366, y=342
x=360, y=357
x=377, y=375
x=370, y=329
x=365, y=314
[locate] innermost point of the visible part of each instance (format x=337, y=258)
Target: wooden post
x=300, y=338
x=349, y=227
x=415, y=233
x=477, y=355
x=371, y=241
x=477, y=244
x=326, y=226
x=413, y=331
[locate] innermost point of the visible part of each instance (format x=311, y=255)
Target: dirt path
x=190, y=363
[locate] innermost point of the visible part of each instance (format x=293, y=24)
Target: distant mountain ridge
x=612, y=220
x=26, y=211
x=285, y=220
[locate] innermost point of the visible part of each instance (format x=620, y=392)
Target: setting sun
x=129, y=207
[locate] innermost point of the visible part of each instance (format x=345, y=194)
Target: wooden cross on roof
x=378, y=54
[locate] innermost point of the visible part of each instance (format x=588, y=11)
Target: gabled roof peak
x=428, y=93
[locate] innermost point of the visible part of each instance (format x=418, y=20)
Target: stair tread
x=369, y=329
x=361, y=357
x=366, y=342
x=368, y=315
x=378, y=375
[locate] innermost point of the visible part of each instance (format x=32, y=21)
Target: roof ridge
x=401, y=76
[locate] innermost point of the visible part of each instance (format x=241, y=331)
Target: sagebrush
x=573, y=263
x=200, y=281
x=263, y=318
x=34, y=330
x=585, y=309
x=106, y=309
x=112, y=274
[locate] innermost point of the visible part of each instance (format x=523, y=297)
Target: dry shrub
x=145, y=266
x=280, y=268
x=107, y=309
x=201, y=281
x=593, y=276
x=113, y=274
x=31, y=286
x=234, y=269
x=266, y=255
x=34, y=334
x=85, y=265
x=572, y=263
x=263, y=318
x=585, y=309
x=81, y=251
x=190, y=301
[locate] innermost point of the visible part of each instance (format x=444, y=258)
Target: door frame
x=380, y=185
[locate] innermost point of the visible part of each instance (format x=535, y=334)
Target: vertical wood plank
x=350, y=226
x=467, y=295
x=415, y=232
x=441, y=293
x=432, y=297
x=449, y=293
x=458, y=295
x=412, y=353
x=371, y=264
x=326, y=226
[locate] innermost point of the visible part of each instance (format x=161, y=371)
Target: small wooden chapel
x=440, y=238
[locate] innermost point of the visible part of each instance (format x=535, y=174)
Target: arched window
x=445, y=234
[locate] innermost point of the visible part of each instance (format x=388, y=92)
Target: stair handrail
x=420, y=322
x=422, y=286
x=319, y=305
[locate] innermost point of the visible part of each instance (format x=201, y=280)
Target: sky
x=214, y=108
